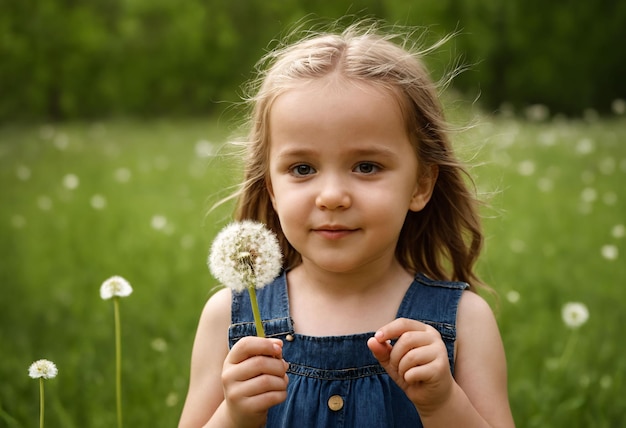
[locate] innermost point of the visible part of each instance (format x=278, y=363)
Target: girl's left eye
x=367, y=168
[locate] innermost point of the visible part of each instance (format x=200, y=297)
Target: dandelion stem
x=41, y=402
x=118, y=360
x=569, y=346
x=260, y=332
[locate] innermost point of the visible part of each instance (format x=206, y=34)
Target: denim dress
x=335, y=381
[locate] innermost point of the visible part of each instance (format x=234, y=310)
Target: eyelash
x=296, y=170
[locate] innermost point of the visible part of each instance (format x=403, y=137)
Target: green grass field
x=82, y=202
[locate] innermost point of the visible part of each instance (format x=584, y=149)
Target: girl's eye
x=367, y=168
x=302, y=170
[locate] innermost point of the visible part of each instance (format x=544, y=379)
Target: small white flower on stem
x=574, y=314
x=42, y=369
x=115, y=286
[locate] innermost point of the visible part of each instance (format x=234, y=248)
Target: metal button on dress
x=335, y=403
x=289, y=338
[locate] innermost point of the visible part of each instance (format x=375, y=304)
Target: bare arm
x=231, y=388
x=418, y=363
x=209, y=352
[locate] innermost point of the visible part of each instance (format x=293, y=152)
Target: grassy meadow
x=85, y=201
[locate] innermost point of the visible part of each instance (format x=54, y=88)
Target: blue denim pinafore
x=335, y=381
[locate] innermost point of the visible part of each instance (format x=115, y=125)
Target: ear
x=424, y=189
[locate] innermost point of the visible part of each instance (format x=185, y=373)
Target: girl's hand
x=254, y=378
x=417, y=362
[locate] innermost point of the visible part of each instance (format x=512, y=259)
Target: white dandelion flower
x=618, y=231
x=609, y=252
x=115, y=286
x=245, y=254
x=71, y=181
x=574, y=314
x=98, y=202
x=42, y=369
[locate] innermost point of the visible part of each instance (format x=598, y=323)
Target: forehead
x=334, y=98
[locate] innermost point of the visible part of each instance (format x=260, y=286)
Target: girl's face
x=342, y=173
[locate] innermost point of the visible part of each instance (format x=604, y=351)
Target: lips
x=333, y=231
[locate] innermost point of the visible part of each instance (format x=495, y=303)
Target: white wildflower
x=574, y=314
x=609, y=252
x=71, y=181
x=115, y=286
x=42, y=369
x=245, y=254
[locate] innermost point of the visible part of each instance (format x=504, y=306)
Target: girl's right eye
x=301, y=170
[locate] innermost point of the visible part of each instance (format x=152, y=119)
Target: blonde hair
x=444, y=239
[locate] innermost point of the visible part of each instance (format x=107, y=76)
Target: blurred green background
x=114, y=119
x=67, y=59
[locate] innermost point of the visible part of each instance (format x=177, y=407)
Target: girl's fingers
x=252, y=346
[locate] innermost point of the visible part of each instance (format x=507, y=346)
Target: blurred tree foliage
x=70, y=59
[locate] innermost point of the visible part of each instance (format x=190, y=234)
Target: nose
x=333, y=194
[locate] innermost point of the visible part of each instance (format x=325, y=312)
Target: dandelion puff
x=609, y=252
x=618, y=231
x=204, y=148
x=245, y=254
x=526, y=168
x=98, y=202
x=122, y=175
x=43, y=369
x=574, y=314
x=618, y=106
x=71, y=181
x=158, y=222
x=513, y=296
x=585, y=146
x=115, y=286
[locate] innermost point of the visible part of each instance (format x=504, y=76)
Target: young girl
x=375, y=321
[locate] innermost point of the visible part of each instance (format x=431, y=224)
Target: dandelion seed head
x=61, y=141
x=513, y=296
x=606, y=382
x=609, y=252
x=171, y=400
x=71, y=181
x=98, y=202
x=618, y=106
x=589, y=194
x=537, y=112
x=42, y=369
x=526, y=168
x=574, y=314
x=158, y=222
x=115, y=286
x=585, y=146
x=204, y=149
x=618, y=231
x=245, y=254
x=122, y=175
x=159, y=344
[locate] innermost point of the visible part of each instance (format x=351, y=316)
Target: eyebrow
x=367, y=151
